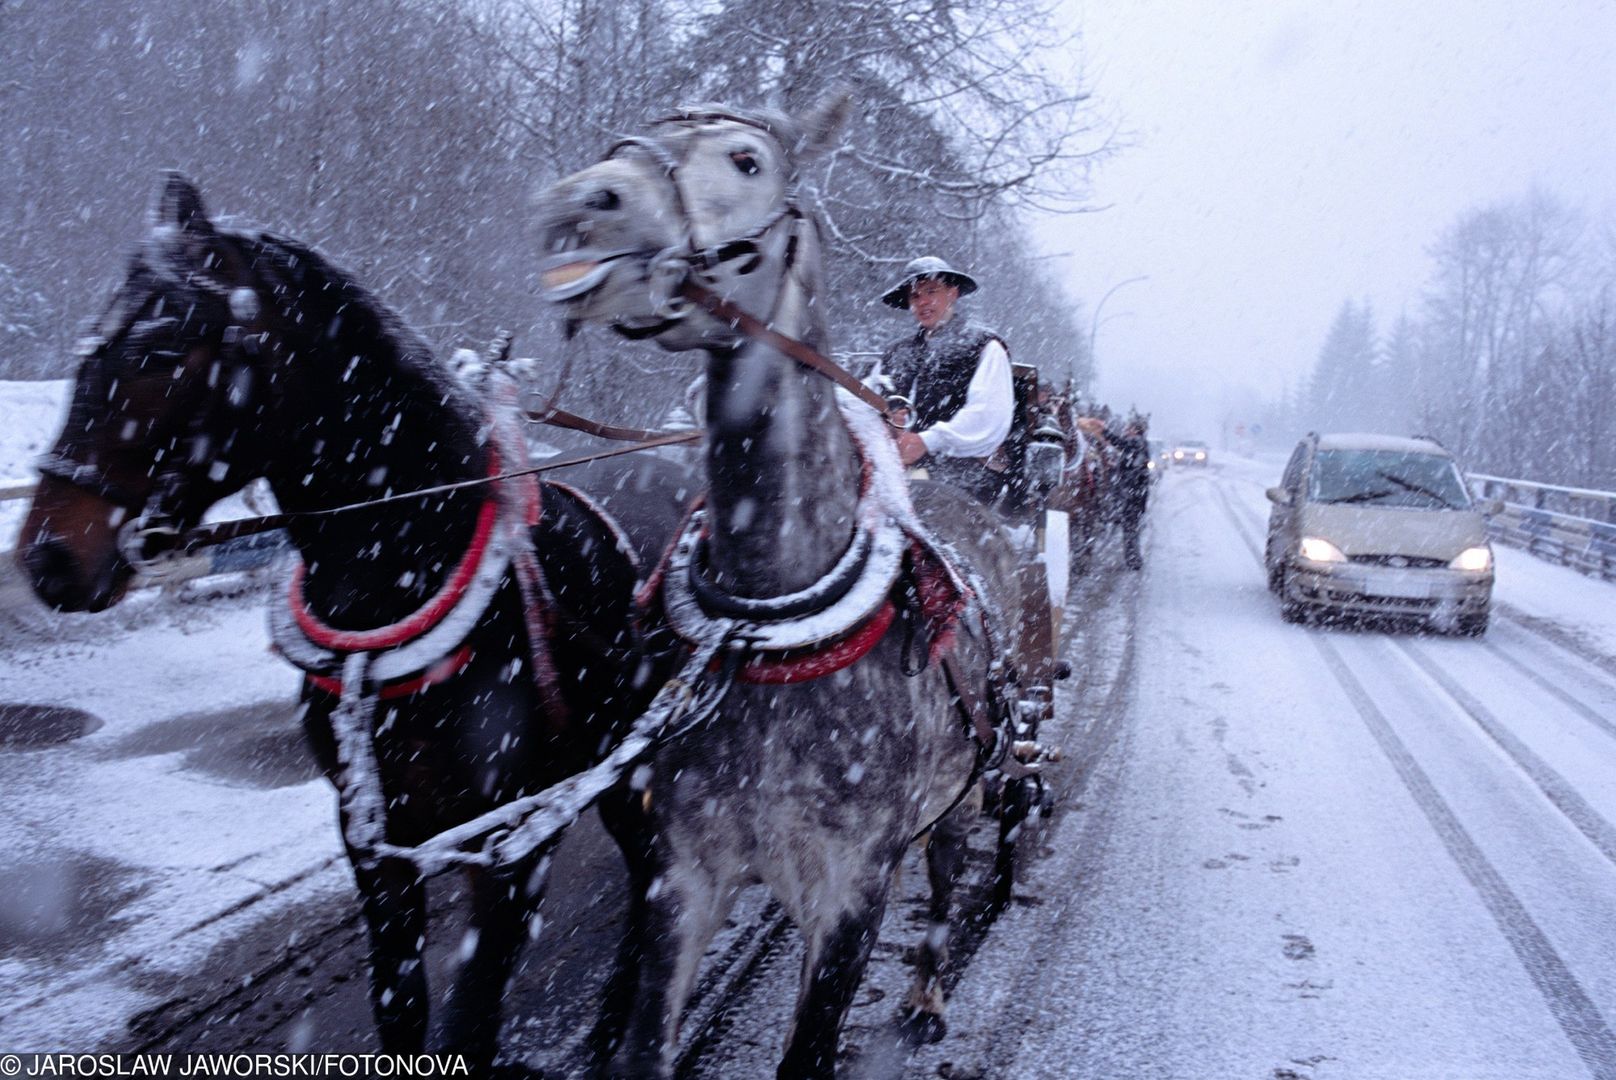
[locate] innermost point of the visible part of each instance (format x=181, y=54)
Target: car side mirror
x=1278, y=496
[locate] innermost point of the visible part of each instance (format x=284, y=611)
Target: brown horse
x=487, y=628
x=1082, y=491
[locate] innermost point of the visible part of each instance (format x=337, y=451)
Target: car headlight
x=1317, y=549
x=1151, y=464
x=1199, y=456
x=1474, y=559
x=1178, y=455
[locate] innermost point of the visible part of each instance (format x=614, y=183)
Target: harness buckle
x=900, y=412
x=150, y=545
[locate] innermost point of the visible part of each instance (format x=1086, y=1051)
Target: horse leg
x=831, y=971
x=394, y=902
x=1130, y=538
x=502, y=906
x=945, y=859
x=1023, y=796
x=682, y=907
x=623, y=812
x=1084, y=528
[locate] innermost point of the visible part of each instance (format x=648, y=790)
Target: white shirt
x=1081, y=442
x=984, y=420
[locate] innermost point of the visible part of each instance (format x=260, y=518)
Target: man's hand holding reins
x=911, y=447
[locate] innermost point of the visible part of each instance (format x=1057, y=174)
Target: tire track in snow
x=1581, y=1020
x=1558, y=637
x=1576, y=705
x=1554, y=786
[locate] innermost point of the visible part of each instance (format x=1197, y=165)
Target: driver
x=957, y=375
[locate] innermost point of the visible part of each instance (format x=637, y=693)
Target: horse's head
x=710, y=194
x=165, y=416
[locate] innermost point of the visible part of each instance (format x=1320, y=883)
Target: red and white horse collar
x=425, y=646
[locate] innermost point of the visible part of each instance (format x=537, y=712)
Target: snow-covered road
x=1317, y=853
x=1281, y=853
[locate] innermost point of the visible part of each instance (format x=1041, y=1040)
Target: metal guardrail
x=1574, y=527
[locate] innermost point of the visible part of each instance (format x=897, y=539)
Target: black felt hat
x=927, y=266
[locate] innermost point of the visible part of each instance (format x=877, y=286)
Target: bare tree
x=1500, y=272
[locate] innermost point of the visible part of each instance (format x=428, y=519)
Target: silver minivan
x=1379, y=525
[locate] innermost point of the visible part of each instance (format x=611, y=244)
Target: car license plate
x=1398, y=587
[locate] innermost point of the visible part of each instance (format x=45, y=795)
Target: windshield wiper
x=1359, y=496
x=1409, y=485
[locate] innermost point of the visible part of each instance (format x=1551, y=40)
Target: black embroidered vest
x=934, y=372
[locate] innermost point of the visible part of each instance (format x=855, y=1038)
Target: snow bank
x=1582, y=606
x=30, y=414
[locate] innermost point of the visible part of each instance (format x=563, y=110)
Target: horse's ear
x=180, y=205
x=823, y=123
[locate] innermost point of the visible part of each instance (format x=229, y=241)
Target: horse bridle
x=152, y=530
x=674, y=265
x=671, y=268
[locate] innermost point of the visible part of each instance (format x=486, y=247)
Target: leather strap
x=561, y=418
x=801, y=352
x=971, y=706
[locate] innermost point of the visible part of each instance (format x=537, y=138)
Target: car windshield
x=1387, y=478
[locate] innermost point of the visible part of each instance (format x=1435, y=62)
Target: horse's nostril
x=602, y=199
x=50, y=565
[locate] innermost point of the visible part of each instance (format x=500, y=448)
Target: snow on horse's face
x=148, y=373
x=621, y=235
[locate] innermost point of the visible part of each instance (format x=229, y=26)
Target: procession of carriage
x=773, y=657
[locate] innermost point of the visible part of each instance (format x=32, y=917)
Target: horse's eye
x=746, y=162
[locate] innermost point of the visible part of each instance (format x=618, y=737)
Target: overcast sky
x=1288, y=155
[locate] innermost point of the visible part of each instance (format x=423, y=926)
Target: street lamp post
x=1094, y=323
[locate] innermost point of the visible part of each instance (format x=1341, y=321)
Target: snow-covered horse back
x=813, y=787
x=226, y=356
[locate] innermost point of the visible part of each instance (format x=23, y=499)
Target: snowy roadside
x=184, y=810
x=30, y=414
x=186, y=813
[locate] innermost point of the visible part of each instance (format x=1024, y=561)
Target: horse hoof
x=921, y=1028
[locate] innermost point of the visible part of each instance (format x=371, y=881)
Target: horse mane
x=365, y=324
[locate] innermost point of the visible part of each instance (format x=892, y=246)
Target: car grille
x=1418, y=562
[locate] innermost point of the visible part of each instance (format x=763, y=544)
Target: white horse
x=814, y=786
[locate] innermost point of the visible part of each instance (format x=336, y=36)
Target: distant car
x=1190, y=452
x=1158, y=458
x=1379, y=525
